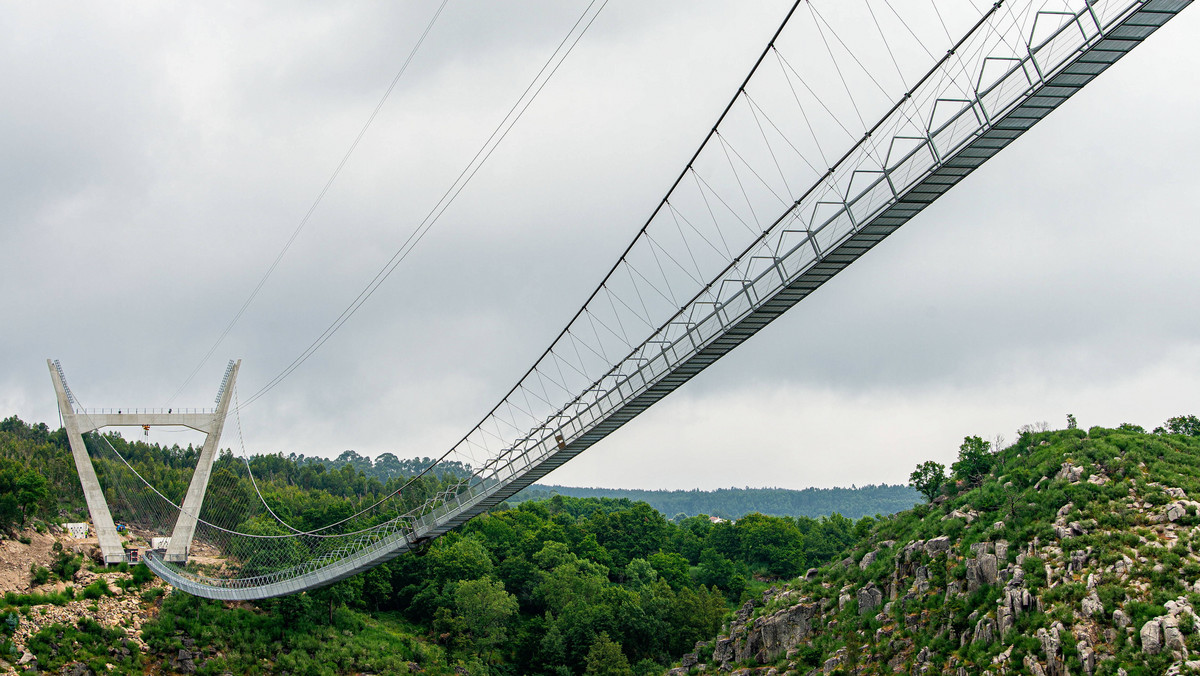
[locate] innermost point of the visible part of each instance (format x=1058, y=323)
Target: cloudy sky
x=155, y=159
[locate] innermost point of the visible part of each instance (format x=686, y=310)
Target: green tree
x=772, y=543
x=975, y=460
x=32, y=490
x=341, y=593
x=485, y=610
x=606, y=658
x=639, y=573
x=717, y=571
x=673, y=568
x=1184, y=424
x=928, y=478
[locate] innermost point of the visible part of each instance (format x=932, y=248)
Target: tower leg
x=185, y=526
x=102, y=521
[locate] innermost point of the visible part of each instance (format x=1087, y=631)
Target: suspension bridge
x=832, y=142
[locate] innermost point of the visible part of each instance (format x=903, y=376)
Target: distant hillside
x=728, y=503
x=733, y=503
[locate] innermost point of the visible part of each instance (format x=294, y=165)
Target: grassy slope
x=1122, y=520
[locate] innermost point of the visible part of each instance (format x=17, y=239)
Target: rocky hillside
x=1073, y=553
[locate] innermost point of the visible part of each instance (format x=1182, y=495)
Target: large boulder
x=774, y=634
x=1172, y=637
x=1120, y=619
x=867, y=560
x=988, y=572
x=1152, y=637
x=1176, y=511
x=1070, y=472
x=938, y=545
x=869, y=598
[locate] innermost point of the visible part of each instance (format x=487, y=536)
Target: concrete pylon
x=185, y=525
x=106, y=531
x=79, y=421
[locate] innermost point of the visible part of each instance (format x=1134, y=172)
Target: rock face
x=938, y=545
x=985, y=630
x=1172, y=636
x=770, y=637
x=1091, y=606
x=924, y=613
x=1151, y=637
x=1015, y=600
x=869, y=598
x=981, y=571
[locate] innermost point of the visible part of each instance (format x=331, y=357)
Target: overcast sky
x=155, y=158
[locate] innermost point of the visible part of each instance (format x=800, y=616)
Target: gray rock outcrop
x=869, y=598
x=1151, y=635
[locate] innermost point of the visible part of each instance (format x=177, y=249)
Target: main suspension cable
x=316, y=203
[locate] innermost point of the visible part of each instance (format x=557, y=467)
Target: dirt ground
x=16, y=558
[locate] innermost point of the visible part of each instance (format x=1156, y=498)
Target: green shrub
x=1035, y=572
x=97, y=589
x=66, y=564
x=1142, y=613
x=58, y=644
x=142, y=574
x=39, y=574
x=1111, y=596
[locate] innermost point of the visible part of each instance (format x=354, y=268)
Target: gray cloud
x=155, y=159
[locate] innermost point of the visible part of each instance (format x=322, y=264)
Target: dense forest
x=733, y=503
x=557, y=586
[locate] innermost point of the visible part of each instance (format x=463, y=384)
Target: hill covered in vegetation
x=1069, y=552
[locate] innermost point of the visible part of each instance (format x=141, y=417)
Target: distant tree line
x=385, y=466
x=732, y=503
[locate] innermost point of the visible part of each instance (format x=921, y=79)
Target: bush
x=142, y=574
x=35, y=599
x=89, y=643
x=66, y=565
x=39, y=574
x=1142, y=613
x=96, y=589
x=1035, y=572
